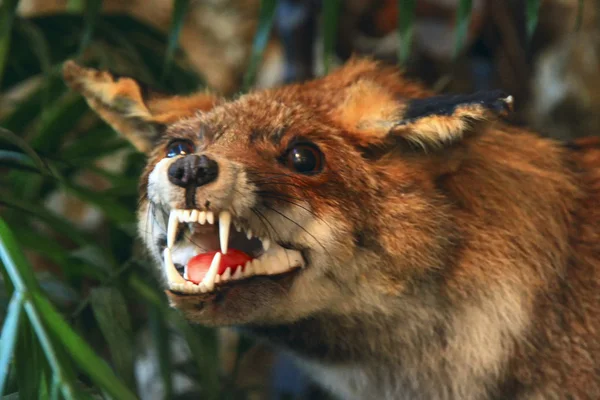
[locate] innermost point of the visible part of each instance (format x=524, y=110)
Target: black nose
x=193, y=171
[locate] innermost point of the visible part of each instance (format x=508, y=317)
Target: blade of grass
x=463, y=19
x=161, y=337
x=113, y=318
x=49, y=351
x=201, y=341
x=21, y=276
x=406, y=14
x=8, y=10
x=532, y=8
x=8, y=338
x=90, y=15
x=41, y=49
x=78, y=349
x=27, y=360
x=261, y=38
x=177, y=20
x=51, y=219
x=331, y=12
x=23, y=145
x=579, y=18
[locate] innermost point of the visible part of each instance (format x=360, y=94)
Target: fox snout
x=192, y=171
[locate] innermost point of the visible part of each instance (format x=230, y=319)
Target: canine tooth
x=194, y=216
x=202, y=217
x=172, y=228
x=226, y=275
x=172, y=275
x=238, y=273
x=249, y=234
x=266, y=243
x=185, y=274
x=209, y=278
x=224, y=226
x=210, y=217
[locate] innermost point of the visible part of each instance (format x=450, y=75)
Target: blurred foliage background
x=82, y=312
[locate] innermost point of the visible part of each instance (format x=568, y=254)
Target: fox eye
x=304, y=158
x=179, y=148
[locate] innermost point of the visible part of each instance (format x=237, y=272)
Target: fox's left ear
x=377, y=116
x=138, y=114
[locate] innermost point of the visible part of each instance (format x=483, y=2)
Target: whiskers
x=267, y=183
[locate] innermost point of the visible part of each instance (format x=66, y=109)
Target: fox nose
x=192, y=171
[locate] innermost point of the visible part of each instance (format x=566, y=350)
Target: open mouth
x=203, y=253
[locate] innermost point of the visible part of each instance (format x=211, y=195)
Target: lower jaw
x=222, y=289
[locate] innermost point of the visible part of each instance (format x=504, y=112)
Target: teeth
x=202, y=287
x=226, y=275
x=210, y=217
x=172, y=275
x=209, y=279
x=172, y=228
x=266, y=243
x=224, y=226
x=202, y=217
x=249, y=234
x=184, y=215
x=194, y=216
x=238, y=273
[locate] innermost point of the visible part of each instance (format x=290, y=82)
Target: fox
x=397, y=242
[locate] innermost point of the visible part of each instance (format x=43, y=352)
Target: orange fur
x=470, y=270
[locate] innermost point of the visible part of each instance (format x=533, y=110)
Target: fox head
x=285, y=203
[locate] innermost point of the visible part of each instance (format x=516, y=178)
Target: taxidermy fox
x=399, y=244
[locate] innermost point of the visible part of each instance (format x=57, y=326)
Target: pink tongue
x=198, y=265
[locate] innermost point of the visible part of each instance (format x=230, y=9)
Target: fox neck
x=453, y=332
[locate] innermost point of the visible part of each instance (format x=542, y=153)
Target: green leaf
x=51, y=219
x=8, y=338
x=57, y=121
x=8, y=10
x=114, y=321
x=49, y=350
x=85, y=357
x=27, y=361
x=160, y=333
x=113, y=210
x=532, y=12
x=579, y=18
x=261, y=38
x=14, y=261
x=331, y=12
x=23, y=145
x=406, y=14
x=177, y=21
x=41, y=49
x=463, y=19
x=92, y=9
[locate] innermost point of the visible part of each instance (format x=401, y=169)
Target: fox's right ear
x=139, y=115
